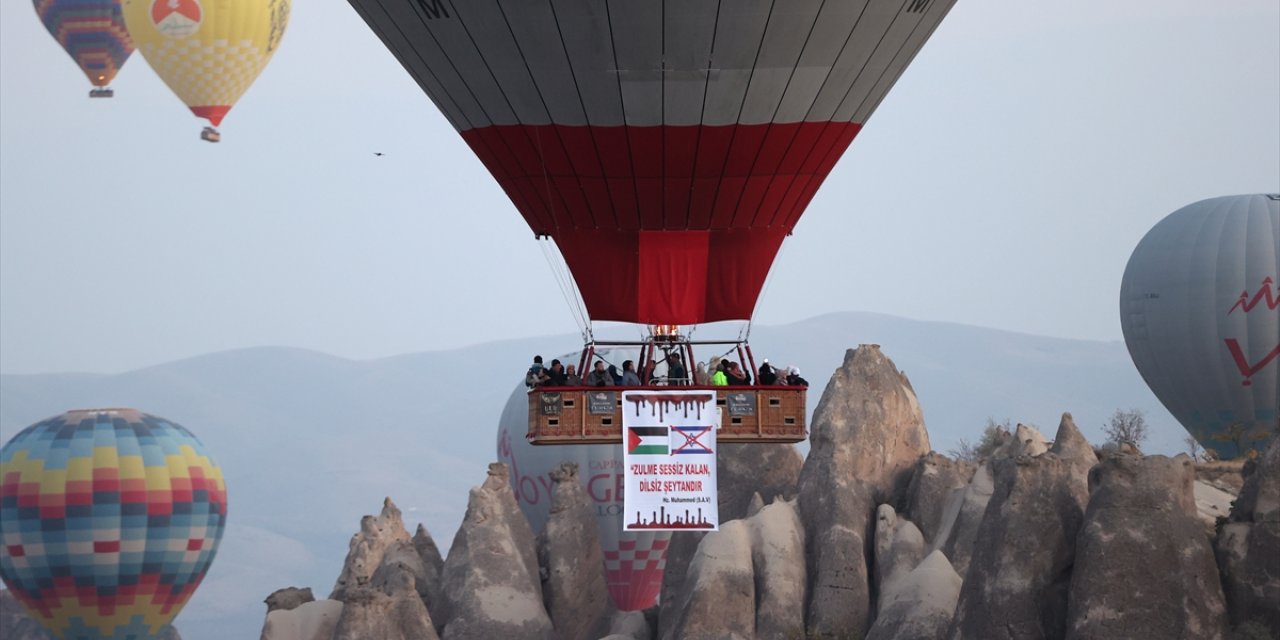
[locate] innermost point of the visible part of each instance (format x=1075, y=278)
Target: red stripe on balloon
x=663, y=177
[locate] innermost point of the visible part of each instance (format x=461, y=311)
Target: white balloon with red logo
x=633, y=561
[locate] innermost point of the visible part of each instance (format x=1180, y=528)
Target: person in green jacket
x=720, y=379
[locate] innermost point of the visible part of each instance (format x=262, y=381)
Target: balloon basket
x=753, y=413
x=209, y=134
x=101, y=92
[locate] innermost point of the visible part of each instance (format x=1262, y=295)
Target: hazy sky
x=1002, y=183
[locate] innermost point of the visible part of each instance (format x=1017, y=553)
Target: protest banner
x=669, y=444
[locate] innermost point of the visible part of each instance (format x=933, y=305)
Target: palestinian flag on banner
x=652, y=441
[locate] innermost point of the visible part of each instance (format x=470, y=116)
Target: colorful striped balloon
x=109, y=520
x=92, y=32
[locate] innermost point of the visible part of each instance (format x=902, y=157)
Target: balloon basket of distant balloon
x=102, y=92
x=209, y=134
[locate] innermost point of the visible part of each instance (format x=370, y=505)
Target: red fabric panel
x=646, y=162
x=626, y=205
x=701, y=202
x=835, y=148
x=680, y=148
x=728, y=195
x=649, y=195
x=713, y=148
x=747, y=140
x=777, y=141
x=605, y=265
x=742, y=176
x=600, y=200
x=615, y=150
x=766, y=215
x=670, y=277
x=580, y=144
x=738, y=263
x=673, y=276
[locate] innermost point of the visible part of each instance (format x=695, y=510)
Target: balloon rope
x=768, y=279
x=559, y=270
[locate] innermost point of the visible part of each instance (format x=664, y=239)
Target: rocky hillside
x=873, y=536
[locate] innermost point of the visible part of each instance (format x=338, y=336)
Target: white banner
x=669, y=445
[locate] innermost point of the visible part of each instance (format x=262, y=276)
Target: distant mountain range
x=309, y=442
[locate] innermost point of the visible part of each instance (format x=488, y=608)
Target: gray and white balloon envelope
x=1198, y=306
x=634, y=561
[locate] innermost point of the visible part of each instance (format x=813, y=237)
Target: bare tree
x=993, y=434
x=1194, y=449
x=1127, y=426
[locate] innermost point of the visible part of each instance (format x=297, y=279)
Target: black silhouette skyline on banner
x=660, y=519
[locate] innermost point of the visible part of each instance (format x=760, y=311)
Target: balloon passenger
x=555, y=376
x=599, y=377
x=534, y=375
x=719, y=378
x=629, y=377
x=767, y=376
x=676, y=373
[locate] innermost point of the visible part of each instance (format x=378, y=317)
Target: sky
x=1003, y=183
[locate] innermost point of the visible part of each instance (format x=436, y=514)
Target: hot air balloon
x=676, y=141
x=634, y=561
x=1198, y=306
x=207, y=52
x=93, y=33
x=109, y=520
x=666, y=147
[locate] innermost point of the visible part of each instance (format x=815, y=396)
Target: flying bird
x=377, y=153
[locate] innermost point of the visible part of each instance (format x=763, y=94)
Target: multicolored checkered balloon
x=109, y=520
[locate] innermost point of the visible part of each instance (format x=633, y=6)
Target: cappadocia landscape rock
x=1054, y=538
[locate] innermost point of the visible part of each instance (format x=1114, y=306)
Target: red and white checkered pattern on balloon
x=634, y=573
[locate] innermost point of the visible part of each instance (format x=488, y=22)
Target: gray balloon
x=1198, y=306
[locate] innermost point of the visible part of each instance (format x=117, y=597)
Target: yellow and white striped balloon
x=207, y=51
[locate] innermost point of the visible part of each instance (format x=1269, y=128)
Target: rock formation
x=1248, y=547
x=868, y=426
x=1016, y=586
x=491, y=586
x=870, y=420
x=899, y=547
x=919, y=606
x=777, y=558
x=16, y=622
x=1143, y=566
x=718, y=600
x=933, y=480
x=574, y=591
x=364, y=555
x=962, y=517
x=835, y=508
x=630, y=625
x=432, y=569
x=310, y=620
x=388, y=608
x=1026, y=441
x=289, y=598
x=1071, y=447
x=746, y=580
x=742, y=471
